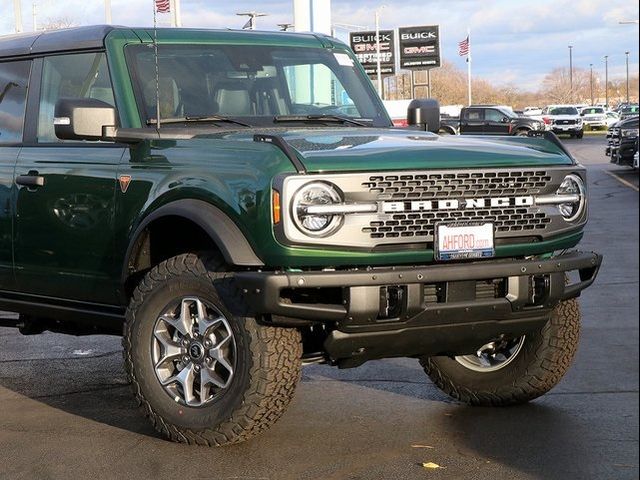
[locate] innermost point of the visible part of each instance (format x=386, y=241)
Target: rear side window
x=474, y=114
x=83, y=75
x=14, y=79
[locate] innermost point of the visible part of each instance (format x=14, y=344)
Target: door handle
x=32, y=179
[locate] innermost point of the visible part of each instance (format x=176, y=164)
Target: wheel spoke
x=206, y=324
x=218, y=354
x=185, y=378
x=185, y=324
x=201, y=309
x=208, y=377
x=170, y=349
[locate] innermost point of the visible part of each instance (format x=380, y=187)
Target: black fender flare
x=223, y=231
x=451, y=130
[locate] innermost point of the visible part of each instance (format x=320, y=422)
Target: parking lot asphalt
x=67, y=412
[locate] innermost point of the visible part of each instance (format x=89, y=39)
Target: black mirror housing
x=83, y=118
x=426, y=113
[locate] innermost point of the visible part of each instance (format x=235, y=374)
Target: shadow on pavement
x=93, y=387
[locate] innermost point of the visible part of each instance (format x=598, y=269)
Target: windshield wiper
x=317, y=118
x=197, y=118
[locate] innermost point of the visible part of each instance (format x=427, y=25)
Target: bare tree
x=58, y=23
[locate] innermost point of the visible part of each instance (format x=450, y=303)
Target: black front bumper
x=622, y=151
x=454, y=322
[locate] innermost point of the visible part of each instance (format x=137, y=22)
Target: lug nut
x=209, y=359
x=207, y=343
x=196, y=368
x=185, y=359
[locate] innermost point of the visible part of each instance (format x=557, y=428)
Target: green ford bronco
x=237, y=204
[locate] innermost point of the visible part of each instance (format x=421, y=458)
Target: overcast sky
x=513, y=41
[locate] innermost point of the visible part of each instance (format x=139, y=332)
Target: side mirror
x=83, y=118
x=505, y=119
x=425, y=113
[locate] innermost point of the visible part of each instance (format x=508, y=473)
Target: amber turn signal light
x=275, y=206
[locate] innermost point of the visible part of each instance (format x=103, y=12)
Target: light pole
x=107, y=11
x=627, y=63
x=17, y=13
x=606, y=81
x=571, y=72
x=591, y=80
x=379, y=73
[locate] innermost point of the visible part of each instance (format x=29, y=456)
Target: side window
x=14, y=78
x=474, y=114
x=82, y=75
x=493, y=115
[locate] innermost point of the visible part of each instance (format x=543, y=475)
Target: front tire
x=202, y=374
x=530, y=367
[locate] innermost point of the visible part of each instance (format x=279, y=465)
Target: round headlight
x=315, y=194
x=574, y=186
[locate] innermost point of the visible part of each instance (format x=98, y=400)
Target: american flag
x=463, y=47
x=163, y=6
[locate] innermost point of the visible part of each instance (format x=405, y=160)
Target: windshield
x=563, y=111
x=508, y=113
x=592, y=111
x=251, y=83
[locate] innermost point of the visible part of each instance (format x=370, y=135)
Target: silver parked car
x=595, y=117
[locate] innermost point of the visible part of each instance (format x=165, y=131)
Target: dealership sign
x=364, y=45
x=419, y=47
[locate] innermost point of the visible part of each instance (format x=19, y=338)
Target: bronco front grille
x=437, y=186
x=407, y=205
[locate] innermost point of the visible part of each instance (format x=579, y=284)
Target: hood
x=362, y=149
x=628, y=123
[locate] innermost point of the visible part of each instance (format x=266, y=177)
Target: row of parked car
x=622, y=142
x=503, y=120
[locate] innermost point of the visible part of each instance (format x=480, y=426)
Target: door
x=496, y=122
x=64, y=239
x=472, y=121
x=14, y=79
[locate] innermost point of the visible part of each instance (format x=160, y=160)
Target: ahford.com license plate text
x=465, y=241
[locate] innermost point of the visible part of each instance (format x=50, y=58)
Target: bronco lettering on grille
x=454, y=204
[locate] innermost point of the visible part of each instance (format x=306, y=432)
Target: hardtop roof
x=78, y=38
x=93, y=37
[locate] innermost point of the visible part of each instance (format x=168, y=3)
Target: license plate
x=462, y=241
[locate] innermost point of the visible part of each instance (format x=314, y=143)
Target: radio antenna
x=155, y=57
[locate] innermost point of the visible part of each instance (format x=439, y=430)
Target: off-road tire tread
x=550, y=357
x=275, y=353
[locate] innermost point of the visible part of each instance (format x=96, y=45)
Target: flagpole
x=178, y=13
x=469, y=67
